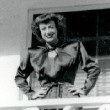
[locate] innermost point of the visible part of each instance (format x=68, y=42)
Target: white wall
x=8, y=67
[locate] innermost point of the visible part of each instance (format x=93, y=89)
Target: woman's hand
x=40, y=94
x=76, y=91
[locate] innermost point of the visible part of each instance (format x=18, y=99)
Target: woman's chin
x=50, y=40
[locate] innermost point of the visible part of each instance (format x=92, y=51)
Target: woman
x=55, y=62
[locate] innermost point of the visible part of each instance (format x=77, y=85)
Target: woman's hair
x=59, y=20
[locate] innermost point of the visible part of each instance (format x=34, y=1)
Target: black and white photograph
x=54, y=55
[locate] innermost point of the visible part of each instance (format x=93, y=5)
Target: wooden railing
x=57, y=103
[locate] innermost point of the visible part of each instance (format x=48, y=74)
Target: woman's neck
x=52, y=44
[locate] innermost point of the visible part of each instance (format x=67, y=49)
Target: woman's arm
x=89, y=66
x=22, y=74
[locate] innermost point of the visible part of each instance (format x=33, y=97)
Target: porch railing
x=57, y=103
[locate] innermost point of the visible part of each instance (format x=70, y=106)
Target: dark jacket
x=61, y=68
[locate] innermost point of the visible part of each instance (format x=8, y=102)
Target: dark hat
x=48, y=16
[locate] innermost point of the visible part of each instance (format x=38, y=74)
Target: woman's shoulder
x=71, y=43
x=37, y=50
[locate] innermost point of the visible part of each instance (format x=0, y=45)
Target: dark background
x=91, y=27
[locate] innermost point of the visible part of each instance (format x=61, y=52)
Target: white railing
x=57, y=103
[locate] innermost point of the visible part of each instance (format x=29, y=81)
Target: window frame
x=31, y=12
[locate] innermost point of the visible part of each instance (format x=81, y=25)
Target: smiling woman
x=49, y=32
x=56, y=62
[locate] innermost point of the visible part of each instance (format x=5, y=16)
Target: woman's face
x=49, y=31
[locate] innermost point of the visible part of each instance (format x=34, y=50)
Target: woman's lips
x=50, y=35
